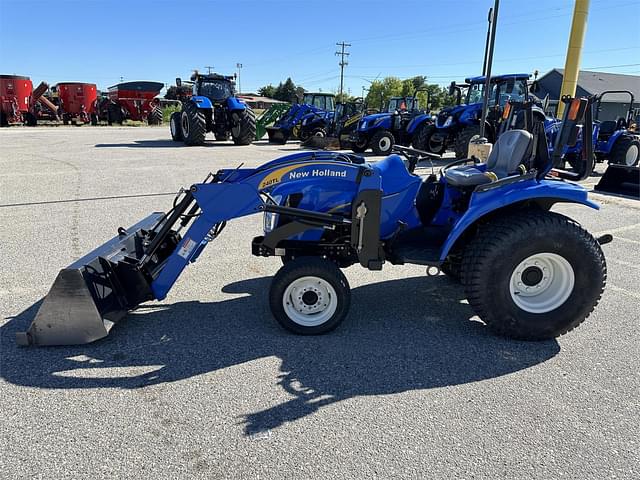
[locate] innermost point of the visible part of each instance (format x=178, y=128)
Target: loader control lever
x=361, y=212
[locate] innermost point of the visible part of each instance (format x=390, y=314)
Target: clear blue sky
x=100, y=41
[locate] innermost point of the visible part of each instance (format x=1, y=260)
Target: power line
x=342, y=63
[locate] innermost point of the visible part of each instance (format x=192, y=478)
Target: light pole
x=239, y=65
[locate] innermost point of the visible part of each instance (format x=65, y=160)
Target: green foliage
x=168, y=110
x=381, y=91
x=268, y=91
x=175, y=93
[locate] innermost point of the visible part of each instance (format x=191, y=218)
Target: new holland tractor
x=213, y=107
x=288, y=125
x=455, y=126
x=528, y=273
x=332, y=131
x=400, y=124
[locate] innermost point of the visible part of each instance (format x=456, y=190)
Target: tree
x=176, y=93
x=381, y=91
x=285, y=91
x=268, y=91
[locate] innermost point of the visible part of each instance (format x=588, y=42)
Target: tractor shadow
x=161, y=144
x=422, y=340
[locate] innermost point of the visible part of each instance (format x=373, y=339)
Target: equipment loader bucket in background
x=621, y=180
x=92, y=294
x=321, y=143
x=268, y=117
x=277, y=135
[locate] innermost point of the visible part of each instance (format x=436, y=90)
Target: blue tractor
x=615, y=142
x=455, y=126
x=288, y=125
x=527, y=272
x=400, y=124
x=213, y=107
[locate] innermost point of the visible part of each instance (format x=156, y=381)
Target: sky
x=102, y=41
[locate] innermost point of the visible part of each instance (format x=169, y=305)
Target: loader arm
x=143, y=262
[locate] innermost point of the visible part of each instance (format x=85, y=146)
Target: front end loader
x=324, y=211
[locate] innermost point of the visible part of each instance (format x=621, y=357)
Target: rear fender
x=492, y=202
x=416, y=122
x=202, y=102
x=234, y=104
x=606, y=147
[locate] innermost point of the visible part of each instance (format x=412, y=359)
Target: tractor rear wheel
x=244, y=130
x=428, y=139
x=193, y=124
x=548, y=284
x=155, y=116
x=175, y=125
x=625, y=151
x=463, y=138
x=3, y=120
x=382, y=142
x=309, y=296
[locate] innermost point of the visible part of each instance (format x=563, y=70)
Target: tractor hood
x=448, y=116
x=374, y=119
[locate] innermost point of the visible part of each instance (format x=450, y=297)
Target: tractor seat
x=607, y=128
x=512, y=148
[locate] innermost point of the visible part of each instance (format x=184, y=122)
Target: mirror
x=178, y=82
x=452, y=88
x=535, y=87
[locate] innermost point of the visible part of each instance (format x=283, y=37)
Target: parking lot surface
x=206, y=385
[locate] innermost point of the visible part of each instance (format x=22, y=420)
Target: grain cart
x=213, y=107
x=77, y=102
x=527, y=272
x=15, y=100
x=135, y=101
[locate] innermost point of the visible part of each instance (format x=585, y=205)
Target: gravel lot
x=206, y=385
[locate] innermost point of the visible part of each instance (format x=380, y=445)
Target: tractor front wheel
x=30, y=119
x=244, y=130
x=428, y=139
x=359, y=146
x=382, y=142
x=625, y=151
x=548, y=284
x=463, y=138
x=309, y=296
x=176, y=127
x=194, y=125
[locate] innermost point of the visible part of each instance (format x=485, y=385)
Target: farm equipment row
x=77, y=102
x=324, y=211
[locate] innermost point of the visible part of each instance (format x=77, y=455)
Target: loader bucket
x=92, y=294
x=621, y=180
x=321, y=143
x=277, y=135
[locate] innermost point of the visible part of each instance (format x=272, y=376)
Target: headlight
x=305, y=121
x=448, y=121
x=363, y=125
x=378, y=121
x=270, y=221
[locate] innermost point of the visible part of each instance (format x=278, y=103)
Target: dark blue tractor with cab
x=213, y=107
x=400, y=124
x=455, y=126
x=288, y=125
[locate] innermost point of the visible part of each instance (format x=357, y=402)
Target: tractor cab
x=322, y=101
x=216, y=88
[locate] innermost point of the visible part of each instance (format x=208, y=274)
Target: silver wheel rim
x=631, y=156
x=319, y=133
x=310, y=301
x=185, y=124
x=174, y=127
x=384, y=144
x=541, y=283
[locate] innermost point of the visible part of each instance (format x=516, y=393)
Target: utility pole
x=209, y=67
x=572, y=62
x=239, y=66
x=342, y=53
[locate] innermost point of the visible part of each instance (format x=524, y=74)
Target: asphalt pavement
x=206, y=385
